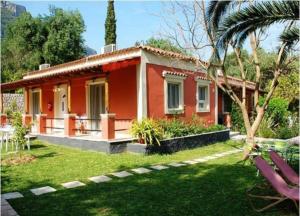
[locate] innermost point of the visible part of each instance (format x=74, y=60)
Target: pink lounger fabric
x=276, y=180
x=284, y=168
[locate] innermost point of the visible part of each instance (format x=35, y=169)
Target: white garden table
x=6, y=132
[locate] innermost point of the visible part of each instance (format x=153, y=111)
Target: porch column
x=3, y=120
x=108, y=125
x=69, y=124
x=227, y=119
x=141, y=91
x=41, y=123
x=26, y=120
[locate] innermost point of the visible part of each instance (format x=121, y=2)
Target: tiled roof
x=174, y=73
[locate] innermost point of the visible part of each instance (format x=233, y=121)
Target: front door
x=96, y=104
x=61, y=105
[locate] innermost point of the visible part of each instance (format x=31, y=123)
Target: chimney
x=43, y=66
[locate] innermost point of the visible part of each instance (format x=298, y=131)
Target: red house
x=103, y=93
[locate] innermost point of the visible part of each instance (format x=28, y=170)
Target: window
x=203, y=104
x=173, y=95
x=173, y=92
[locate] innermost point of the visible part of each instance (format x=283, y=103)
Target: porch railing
x=122, y=124
x=85, y=125
x=54, y=124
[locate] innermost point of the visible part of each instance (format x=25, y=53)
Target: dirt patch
x=17, y=160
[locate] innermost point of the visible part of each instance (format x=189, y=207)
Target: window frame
x=174, y=79
x=202, y=83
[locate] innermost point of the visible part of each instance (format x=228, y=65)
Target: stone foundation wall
x=10, y=99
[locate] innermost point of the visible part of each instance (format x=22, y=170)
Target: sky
x=136, y=20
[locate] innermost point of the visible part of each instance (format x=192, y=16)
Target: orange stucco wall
x=123, y=93
x=155, y=94
x=47, y=97
x=78, y=96
x=122, y=88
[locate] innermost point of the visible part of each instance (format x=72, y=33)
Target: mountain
x=9, y=11
x=89, y=51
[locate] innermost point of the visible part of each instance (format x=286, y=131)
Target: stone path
x=7, y=210
x=42, y=190
x=141, y=170
x=122, y=174
x=72, y=184
x=159, y=167
x=99, y=179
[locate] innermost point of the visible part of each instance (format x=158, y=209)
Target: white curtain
x=173, y=95
x=35, y=104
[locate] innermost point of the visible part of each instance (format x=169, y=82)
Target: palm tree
x=231, y=22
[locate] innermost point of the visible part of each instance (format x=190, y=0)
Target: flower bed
x=167, y=136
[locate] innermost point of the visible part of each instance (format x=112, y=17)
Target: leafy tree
x=64, y=42
x=31, y=41
x=110, y=24
x=22, y=46
x=163, y=44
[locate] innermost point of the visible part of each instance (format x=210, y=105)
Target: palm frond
x=215, y=11
x=263, y=14
x=290, y=37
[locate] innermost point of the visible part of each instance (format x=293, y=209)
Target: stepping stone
x=42, y=190
x=159, y=167
x=210, y=157
x=219, y=155
x=122, y=174
x=98, y=179
x=177, y=164
x=190, y=162
x=73, y=184
x=200, y=160
x=12, y=195
x=141, y=170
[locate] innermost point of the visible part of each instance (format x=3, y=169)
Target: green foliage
x=31, y=41
x=267, y=61
x=148, y=131
x=278, y=121
x=110, y=24
x=237, y=119
x=277, y=110
x=151, y=131
x=64, y=41
x=163, y=44
x=178, y=128
x=20, y=130
x=288, y=87
x=265, y=128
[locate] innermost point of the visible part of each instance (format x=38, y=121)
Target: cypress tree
x=110, y=24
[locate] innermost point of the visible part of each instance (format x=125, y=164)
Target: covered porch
x=90, y=103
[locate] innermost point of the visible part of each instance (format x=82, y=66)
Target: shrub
x=151, y=131
x=277, y=110
x=173, y=128
x=264, y=129
x=237, y=119
x=148, y=131
x=20, y=130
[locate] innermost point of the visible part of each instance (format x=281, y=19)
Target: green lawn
x=213, y=188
